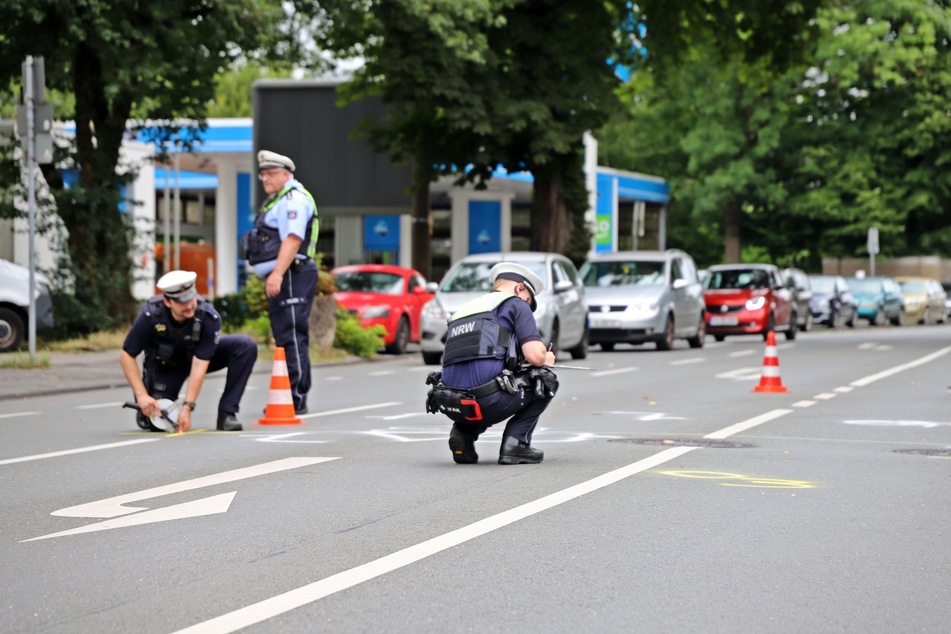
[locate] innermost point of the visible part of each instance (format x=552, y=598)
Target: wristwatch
x=191, y=405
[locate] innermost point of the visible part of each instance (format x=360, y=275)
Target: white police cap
x=268, y=159
x=519, y=273
x=179, y=286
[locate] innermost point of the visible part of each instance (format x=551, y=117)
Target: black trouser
x=289, y=312
x=523, y=407
x=235, y=352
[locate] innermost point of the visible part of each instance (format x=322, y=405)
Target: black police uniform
x=170, y=346
x=483, y=382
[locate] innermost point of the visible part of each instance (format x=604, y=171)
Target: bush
x=352, y=337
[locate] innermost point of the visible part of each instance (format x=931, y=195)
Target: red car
x=748, y=299
x=384, y=294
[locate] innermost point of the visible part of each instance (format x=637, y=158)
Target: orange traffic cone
x=280, y=402
x=770, y=381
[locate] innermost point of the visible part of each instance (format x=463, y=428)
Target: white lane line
x=67, y=452
x=804, y=403
x=825, y=396
x=349, y=410
x=741, y=353
x=381, y=373
x=616, y=371
x=900, y=368
x=747, y=424
x=293, y=599
x=843, y=390
x=18, y=414
x=688, y=361
x=100, y=405
x=333, y=378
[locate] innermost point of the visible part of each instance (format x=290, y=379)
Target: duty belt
x=484, y=390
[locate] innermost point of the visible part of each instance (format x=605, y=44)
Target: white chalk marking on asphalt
x=927, y=424
x=349, y=410
x=741, y=353
x=843, y=390
x=747, y=424
x=381, y=373
x=293, y=599
x=825, y=396
x=900, y=368
x=803, y=403
x=688, y=361
x=196, y=508
x=616, y=371
x=333, y=378
x=100, y=405
x=112, y=507
x=18, y=414
x=67, y=452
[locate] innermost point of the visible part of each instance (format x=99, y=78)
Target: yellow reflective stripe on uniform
x=483, y=304
x=314, y=224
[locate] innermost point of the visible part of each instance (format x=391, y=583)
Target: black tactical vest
x=475, y=333
x=172, y=345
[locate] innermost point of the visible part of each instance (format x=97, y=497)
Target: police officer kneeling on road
x=485, y=379
x=181, y=335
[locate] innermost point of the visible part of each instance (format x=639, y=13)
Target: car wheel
x=697, y=340
x=607, y=347
x=401, y=340
x=432, y=358
x=555, y=333
x=899, y=319
x=667, y=342
x=581, y=350
x=793, y=328
x=11, y=330
x=770, y=326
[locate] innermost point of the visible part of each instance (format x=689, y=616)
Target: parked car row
x=636, y=297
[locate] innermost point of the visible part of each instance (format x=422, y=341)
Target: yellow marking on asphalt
x=753, y=482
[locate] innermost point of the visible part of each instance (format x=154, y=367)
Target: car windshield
x=913, y=287
x=822, y=284
x=473, y=277
x=865, y=286
x=629, y=273
x=369, y=282
x=738, y=278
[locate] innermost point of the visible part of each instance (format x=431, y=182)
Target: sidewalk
x=77, y=372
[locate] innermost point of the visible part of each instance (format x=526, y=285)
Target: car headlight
x=644, y=307
x=376, y=312
x=433, y=310
x=755, y=303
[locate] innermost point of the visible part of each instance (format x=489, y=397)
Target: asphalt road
x=672, y=498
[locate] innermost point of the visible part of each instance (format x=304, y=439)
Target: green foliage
x=352, y=337
x=259, y=327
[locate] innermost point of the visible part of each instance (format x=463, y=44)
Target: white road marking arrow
x=196, y=508
x=112, y=507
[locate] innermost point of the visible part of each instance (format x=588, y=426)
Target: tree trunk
x=731, y=232
x=322, y=326
x=422, y=232
x=550, y=218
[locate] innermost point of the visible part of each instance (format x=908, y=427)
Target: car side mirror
x=563, y=285
x=679, y=283
x=431, y=287
x=420, y=290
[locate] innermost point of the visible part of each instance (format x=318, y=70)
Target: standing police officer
x=484, y=380
x=181, y=335
x=281, y=248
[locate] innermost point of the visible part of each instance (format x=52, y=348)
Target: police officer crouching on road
x=281, y=248
x=181, y=335
x=484, y=379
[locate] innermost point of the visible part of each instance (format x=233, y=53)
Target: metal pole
x=167, y=226
x=178, y=216
x=31, y=201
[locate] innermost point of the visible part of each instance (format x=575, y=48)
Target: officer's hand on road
x=272, y=285
x=550, y=358
x=184, y=419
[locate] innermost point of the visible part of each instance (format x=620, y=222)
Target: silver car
x=561, y=314
x=643, y=296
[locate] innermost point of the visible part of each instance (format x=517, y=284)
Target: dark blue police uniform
x=169, y=348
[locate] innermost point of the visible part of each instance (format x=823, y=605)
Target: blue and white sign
x=381, y=233
x=485, y=226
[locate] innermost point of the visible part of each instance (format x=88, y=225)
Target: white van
x=15, y=304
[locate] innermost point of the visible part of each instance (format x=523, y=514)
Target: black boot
x=228, y=422
x=462, y=445
x=517, y=452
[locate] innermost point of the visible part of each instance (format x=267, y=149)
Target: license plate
x=606, y=323
x=724, y=321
